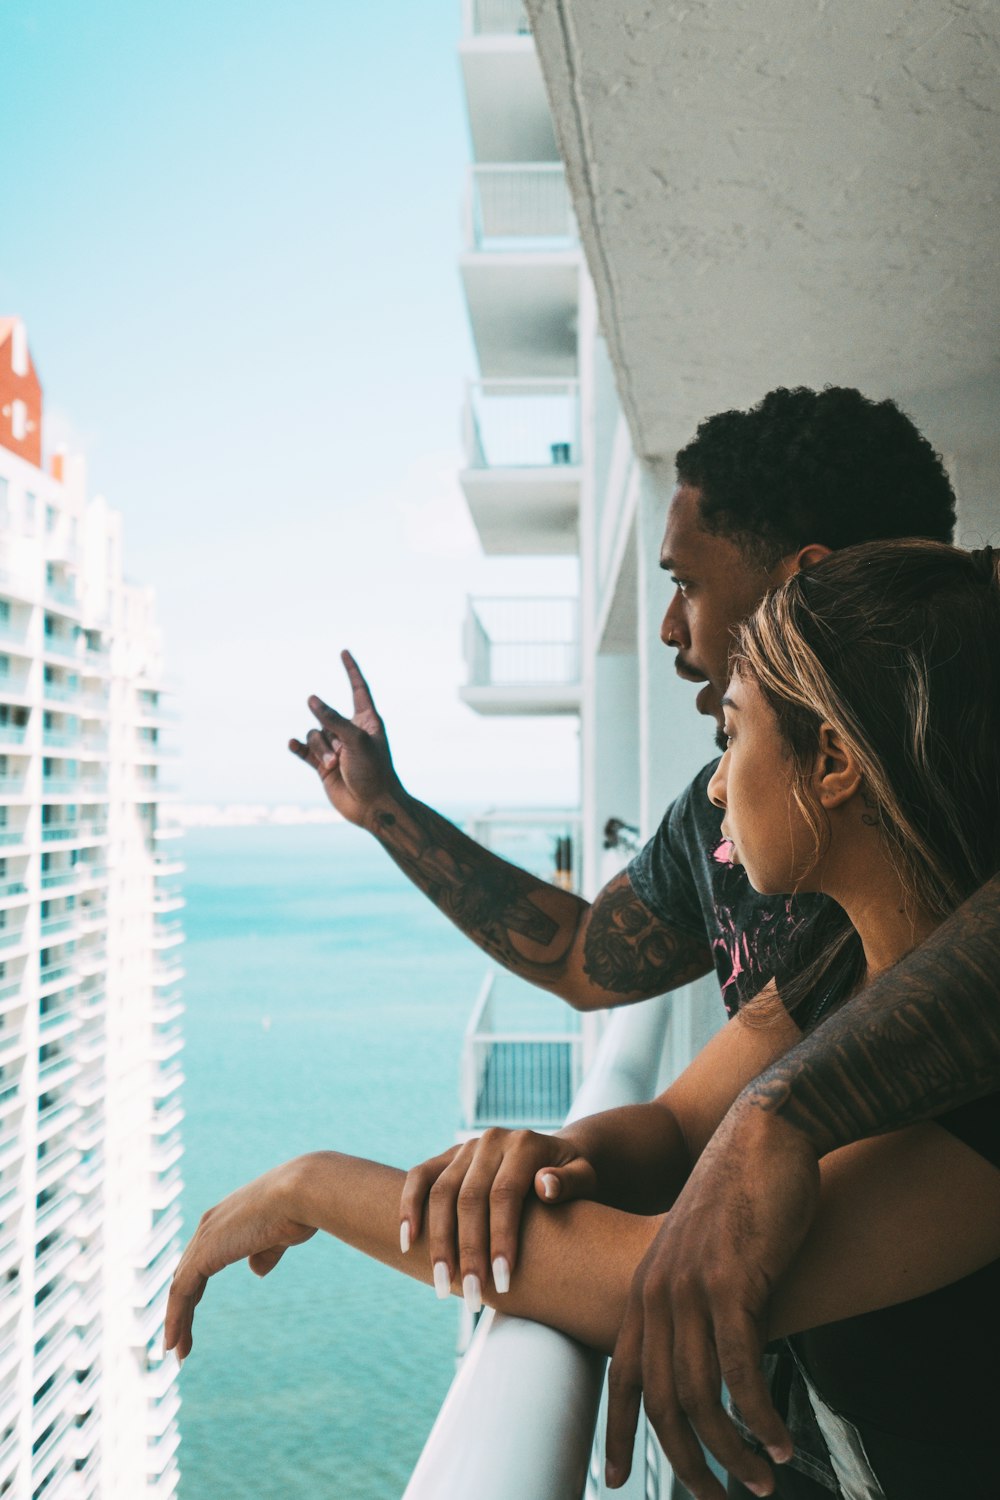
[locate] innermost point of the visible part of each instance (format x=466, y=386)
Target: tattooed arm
x=923, y=1039
x=594, y=955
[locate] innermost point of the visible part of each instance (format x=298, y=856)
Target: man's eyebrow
x=728, y=702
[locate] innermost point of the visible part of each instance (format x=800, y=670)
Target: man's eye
x=681, y=583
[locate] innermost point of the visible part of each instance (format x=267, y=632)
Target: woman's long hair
x=897, y=645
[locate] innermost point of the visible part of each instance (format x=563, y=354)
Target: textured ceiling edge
x=581, y=166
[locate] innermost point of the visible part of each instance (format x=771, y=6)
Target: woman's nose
x=717, y=785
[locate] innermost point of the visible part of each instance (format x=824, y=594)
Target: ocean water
x=326, y=1001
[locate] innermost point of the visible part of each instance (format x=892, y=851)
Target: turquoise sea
x=326, y=1001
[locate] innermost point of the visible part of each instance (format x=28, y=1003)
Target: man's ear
x=837, y=777
x=794, y=562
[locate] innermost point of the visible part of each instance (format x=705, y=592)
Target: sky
x=232, y=232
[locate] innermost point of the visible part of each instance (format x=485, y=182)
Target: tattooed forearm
x=628, y=951
x=923, y=1039
x=524, y=924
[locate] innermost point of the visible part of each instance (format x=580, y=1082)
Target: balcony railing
x=516, y=1076
x=519, y=207
x=522, y=424
x=495, y=18
x=519, y=1377
x=525, y=642
x=546, y=841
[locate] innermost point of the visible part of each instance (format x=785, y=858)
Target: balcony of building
x=548, y=842
x=522, y=656
x=59, y=686
x=56, y=1112
x=517, y=1069
x=509, y=117
x=520, y=1377
x=13, y=723
x=521, y=270
x=522, y=464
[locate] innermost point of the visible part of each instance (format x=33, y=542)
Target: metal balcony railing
x=518, y=1377
x=520, y=206
x=515, y=1076
x=495, y=18
x=522, y=642
x=546, y=841
x=522, y=424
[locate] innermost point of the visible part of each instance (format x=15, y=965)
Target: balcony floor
x=525, y=1083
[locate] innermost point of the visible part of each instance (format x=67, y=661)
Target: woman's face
x=770, y=836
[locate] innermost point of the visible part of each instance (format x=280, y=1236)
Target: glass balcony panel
x=520, y=207
x=518, y=424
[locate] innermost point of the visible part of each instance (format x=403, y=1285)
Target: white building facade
x=671, y=211
x=90, y=1039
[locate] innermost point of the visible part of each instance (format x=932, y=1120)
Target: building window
x=51, y=517
x=18, y=421
x=29, y=510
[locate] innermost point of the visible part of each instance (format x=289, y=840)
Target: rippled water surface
x=326, y=1001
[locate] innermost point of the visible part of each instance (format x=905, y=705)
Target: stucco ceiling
x=774, y=193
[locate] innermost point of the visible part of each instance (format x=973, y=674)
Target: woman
x=863, y=720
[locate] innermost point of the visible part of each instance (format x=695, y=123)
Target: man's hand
x=350, y=756
x=257, y=1223
x=473, y=1197
x=697, y=1311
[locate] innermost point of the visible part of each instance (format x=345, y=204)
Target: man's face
x=715, y=587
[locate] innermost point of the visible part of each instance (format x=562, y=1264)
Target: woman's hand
x=473, y=1196
x=257, y=1223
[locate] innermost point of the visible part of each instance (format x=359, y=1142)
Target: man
x=760, y=494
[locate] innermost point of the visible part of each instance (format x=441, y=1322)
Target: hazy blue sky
x=231, y=230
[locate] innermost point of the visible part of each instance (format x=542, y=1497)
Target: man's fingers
x=324, y=750
x=624, y=1396
x=359, y=687
x=739, y=1346
x=297, y=748
x=695, y=1403
x=332, y=722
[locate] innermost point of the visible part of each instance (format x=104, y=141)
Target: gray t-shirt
x=684, y=876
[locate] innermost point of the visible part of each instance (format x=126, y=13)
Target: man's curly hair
x=825, y=466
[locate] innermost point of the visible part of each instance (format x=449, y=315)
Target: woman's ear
x=837, y=777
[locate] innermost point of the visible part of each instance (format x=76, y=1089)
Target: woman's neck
x=887, y=918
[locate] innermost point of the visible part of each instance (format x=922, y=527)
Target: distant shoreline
x=250, y=815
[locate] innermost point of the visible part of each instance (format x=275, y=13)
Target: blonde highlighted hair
x=897, y=646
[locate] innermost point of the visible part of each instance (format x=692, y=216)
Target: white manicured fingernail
x=180, y=1358
x=501, y=1274
x=472, y=1292
x=550, y=1185
x=404, y=1236
x=442, y=1281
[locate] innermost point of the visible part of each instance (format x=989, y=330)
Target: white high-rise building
x=90, y=1036
x=670, y=211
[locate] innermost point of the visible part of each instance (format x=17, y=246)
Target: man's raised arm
x=923, y=1039
x=594, y=955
